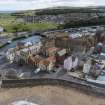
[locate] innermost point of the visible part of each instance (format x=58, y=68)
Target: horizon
x=53, y=7
x=18, y=5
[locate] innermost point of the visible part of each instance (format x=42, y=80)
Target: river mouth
x=49, y=95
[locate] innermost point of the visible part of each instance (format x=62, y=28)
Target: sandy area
x=49, y=95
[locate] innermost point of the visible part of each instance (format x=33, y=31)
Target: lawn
x=42, y=26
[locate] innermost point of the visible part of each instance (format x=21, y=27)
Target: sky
x=10, y=5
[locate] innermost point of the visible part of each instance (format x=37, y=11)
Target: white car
x=37, y=70
x=9, y=41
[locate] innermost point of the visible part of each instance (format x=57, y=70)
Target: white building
x=10, y=55
x=1, y=29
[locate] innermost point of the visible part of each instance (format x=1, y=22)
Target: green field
x=42, y=26
x=7, y=21
x=13, y=27
x=11, y=24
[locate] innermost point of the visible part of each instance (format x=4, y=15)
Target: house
x=22, y=51
x=20, y=45
x=47, y=64
x=35, y=49
x=52, y=51
x=43, y=64
x=24, y=55
x=11, y=55
x=60, y=56
x=71, y=63
x=34, y=60
x=52, y=59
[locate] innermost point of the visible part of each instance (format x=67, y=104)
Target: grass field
x=10, y=24
x=42, y=26
x=7, y=21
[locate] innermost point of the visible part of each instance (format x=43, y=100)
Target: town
x=78, y=53
x=53, y=56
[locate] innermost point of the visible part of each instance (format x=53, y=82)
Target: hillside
x=52, y=18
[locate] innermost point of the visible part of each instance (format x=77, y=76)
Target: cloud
x=37, y=4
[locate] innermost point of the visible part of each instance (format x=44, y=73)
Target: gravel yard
x=49, y=95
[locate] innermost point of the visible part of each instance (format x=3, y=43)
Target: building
x=52, y=51
x=11, y=55
x=47, y=64
x=34, y=60
x=44, y=18
x=1, y=29
x=71, y=63
x=24, y=55
x=60, y=57
x=61, y=39
x=20, y=45
x=59, y=18
x=43, y=64
x=22, y=51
